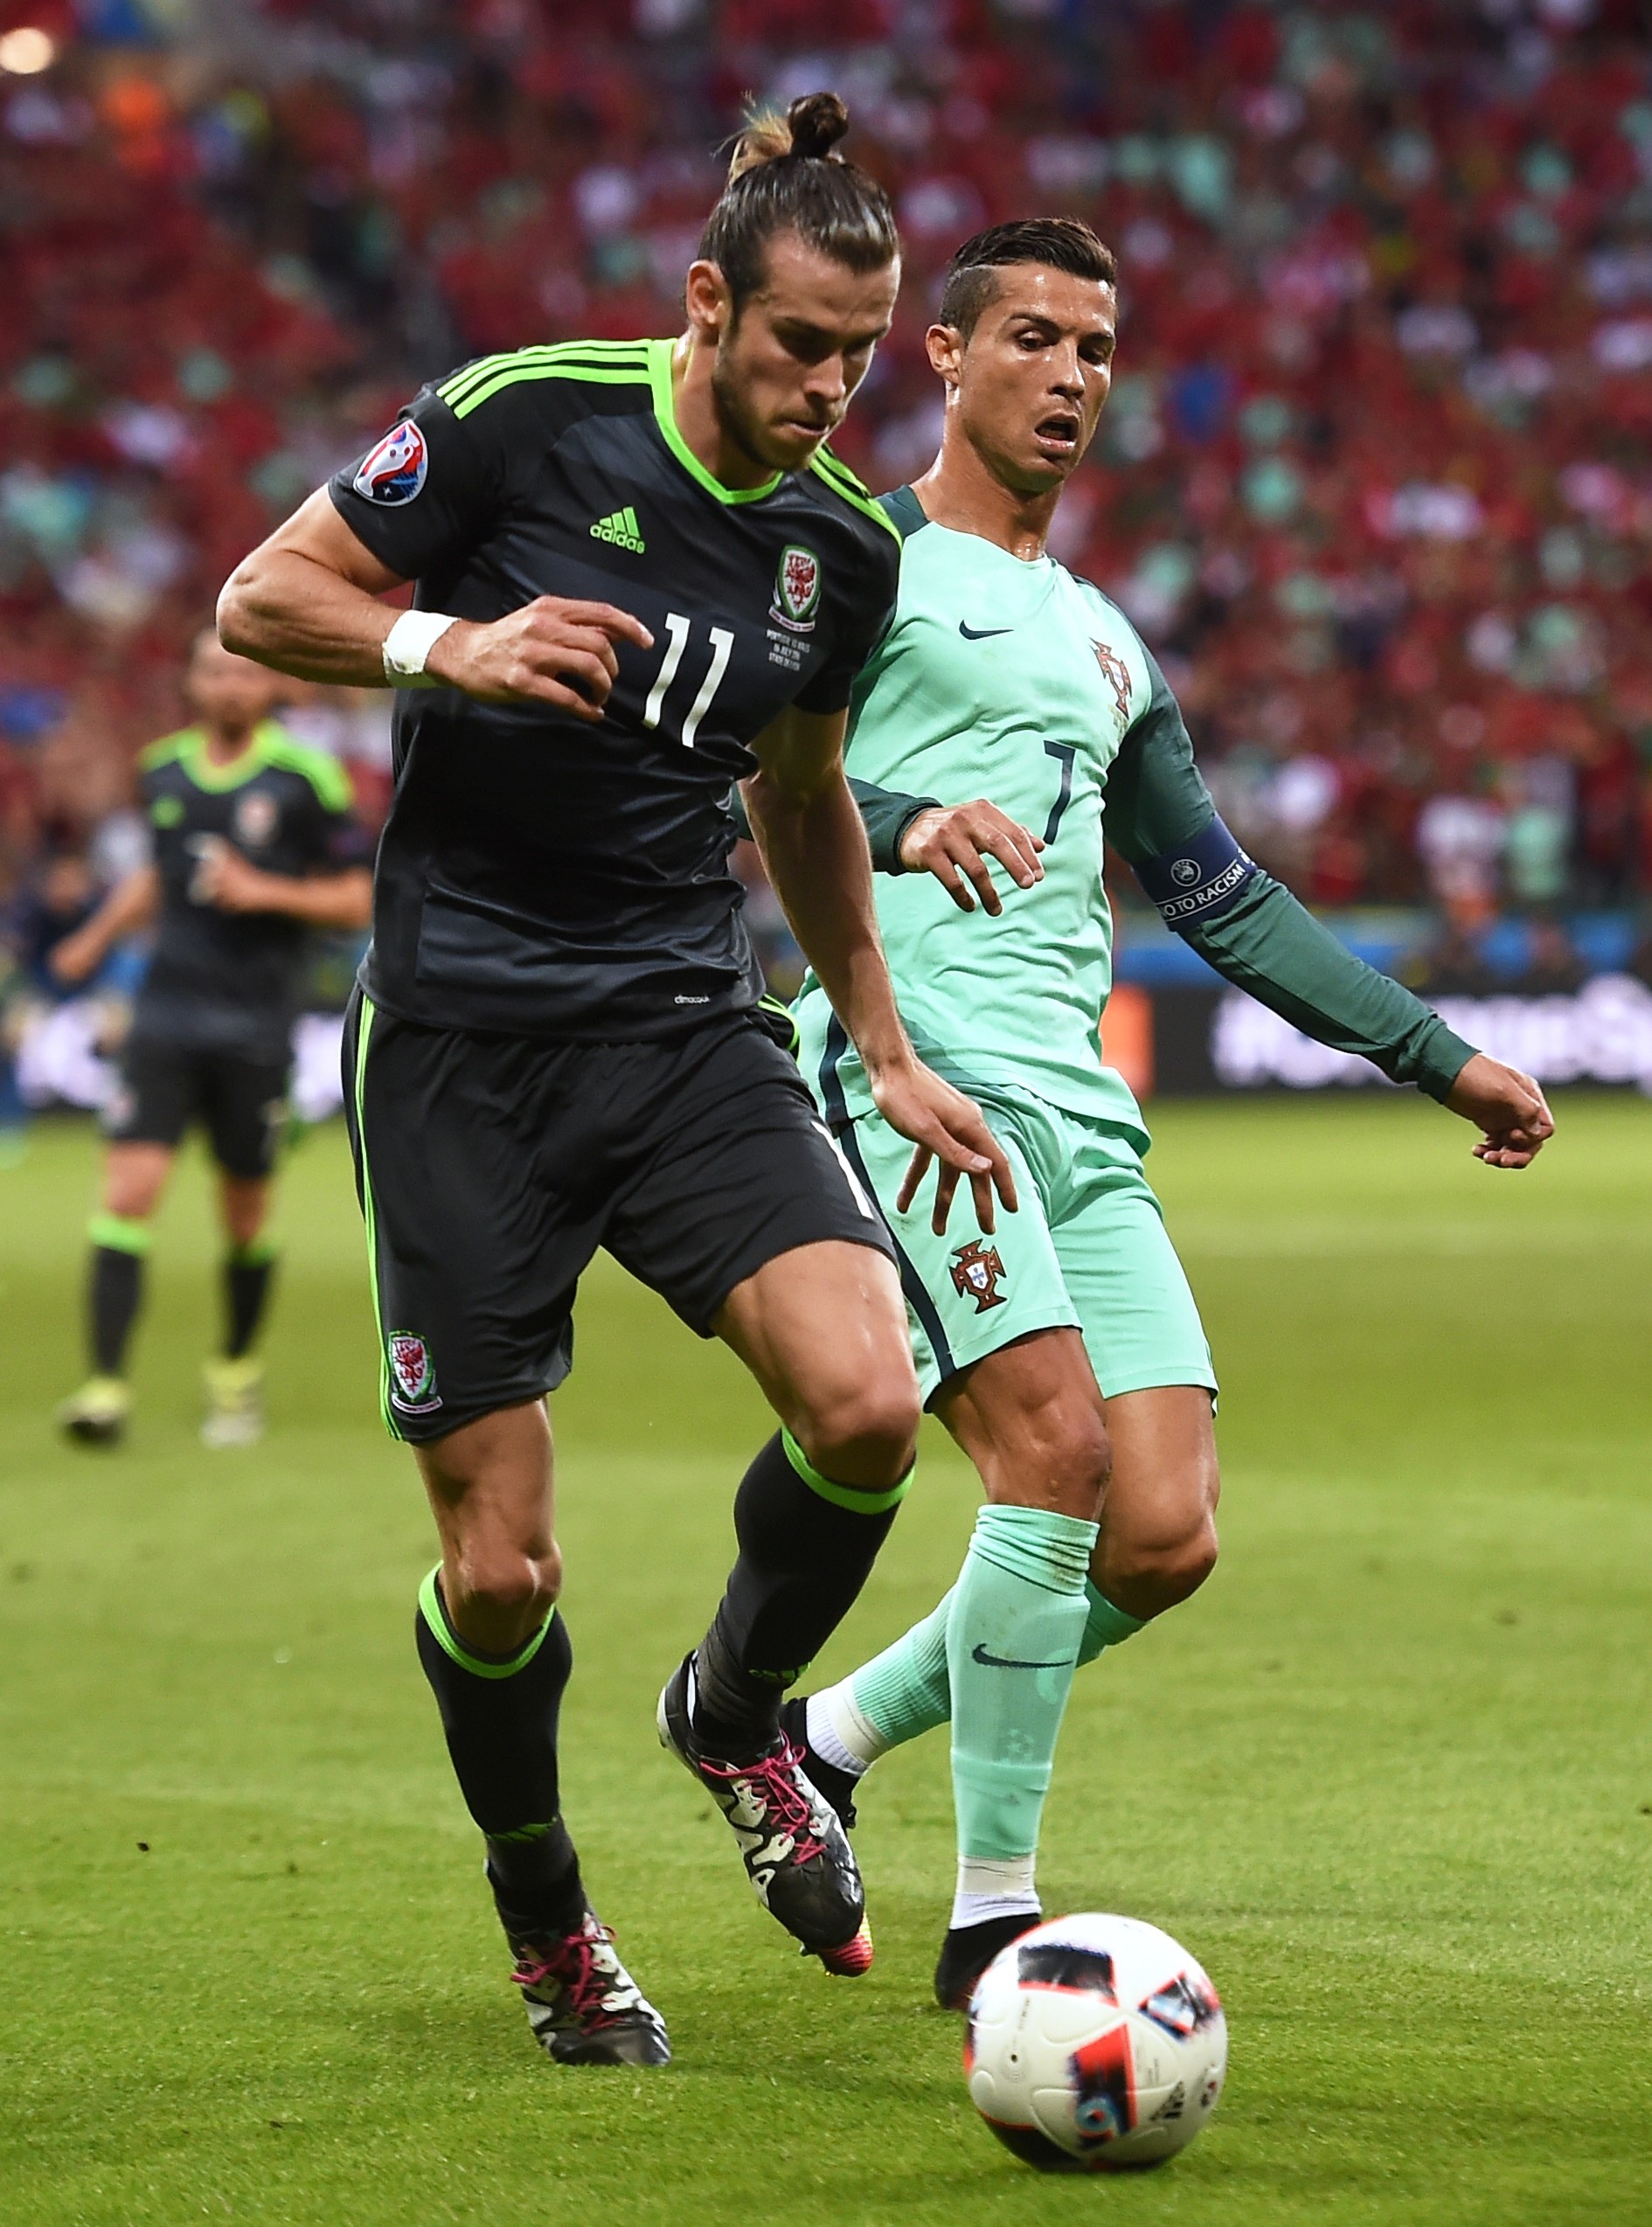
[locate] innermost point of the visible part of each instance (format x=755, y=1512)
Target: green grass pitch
x=1388, y=1776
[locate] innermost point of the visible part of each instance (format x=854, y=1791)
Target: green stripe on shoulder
x=170, y=748
x=325, y=775
x=589, y=357
x=844, y=484
x=587, y=375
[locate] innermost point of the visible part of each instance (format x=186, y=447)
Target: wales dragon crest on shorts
x=978, y=1271
x=413, y=1373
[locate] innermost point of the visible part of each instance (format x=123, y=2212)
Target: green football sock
x=1105, y=1626
x=907, y=1691
x=902, y=1692
x=1018, y=1617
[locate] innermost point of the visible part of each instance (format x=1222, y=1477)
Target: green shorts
x=1087, y=1250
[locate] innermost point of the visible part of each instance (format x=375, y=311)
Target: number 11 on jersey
x=677, y=629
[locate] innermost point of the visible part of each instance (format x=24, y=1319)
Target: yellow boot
x=234, y=1402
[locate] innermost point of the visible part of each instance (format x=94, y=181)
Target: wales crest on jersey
x=796, y=588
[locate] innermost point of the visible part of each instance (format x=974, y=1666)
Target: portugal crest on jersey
x=395, y=471
x=797, y=587
x=1114, y=670
x=413, y=1373
x=978, y=1271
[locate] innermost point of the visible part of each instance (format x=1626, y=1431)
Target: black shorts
x=241, y=1103
x=491, y=1168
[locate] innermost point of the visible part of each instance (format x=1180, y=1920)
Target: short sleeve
x=867, y=620
x=423, y=494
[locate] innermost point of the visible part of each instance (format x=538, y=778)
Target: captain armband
x=1197, y=880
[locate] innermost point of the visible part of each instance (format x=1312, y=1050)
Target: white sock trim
x=839, y=1734
x=995, y=1887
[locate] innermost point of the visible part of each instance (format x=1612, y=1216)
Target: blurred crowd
x=1376, y=480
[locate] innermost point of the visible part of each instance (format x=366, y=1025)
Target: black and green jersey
x=544, y=876
x=230, y=980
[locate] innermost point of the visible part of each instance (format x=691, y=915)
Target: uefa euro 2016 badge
x=978, y=1271
x=796, y=588
x=395, y=471
x=413, y=1374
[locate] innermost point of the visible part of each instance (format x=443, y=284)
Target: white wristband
x=408, y=643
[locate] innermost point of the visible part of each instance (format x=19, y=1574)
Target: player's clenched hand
x=229, y=881
x=948, y=1128
x=1508, y=1106
x=551, y=651
x=954, y=842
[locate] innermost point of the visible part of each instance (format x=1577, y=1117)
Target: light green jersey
x=1015, y=682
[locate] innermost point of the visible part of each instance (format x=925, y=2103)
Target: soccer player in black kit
x=641, y=580
x=253, y=844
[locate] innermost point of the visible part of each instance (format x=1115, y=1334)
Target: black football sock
x=806, y=1547
x=499, y=1713
x=248, y=1272
x=114, y=1289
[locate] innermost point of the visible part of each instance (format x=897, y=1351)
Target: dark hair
x=1059, y=243
x=784, y=176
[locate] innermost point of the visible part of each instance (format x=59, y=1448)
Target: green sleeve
x=1262, y=940
x=884, y=813
x=1268, y=944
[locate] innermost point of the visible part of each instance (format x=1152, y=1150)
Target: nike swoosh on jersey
x=1008, y=1661
x=982, y=633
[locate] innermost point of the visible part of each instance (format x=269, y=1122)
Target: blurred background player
x=1066, y=1356
x=253, y=844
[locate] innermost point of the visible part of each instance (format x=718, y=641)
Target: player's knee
x=1159, y=1567
x=506, y=1592
x=865, y=1433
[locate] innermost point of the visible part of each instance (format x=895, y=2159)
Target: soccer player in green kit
x=1064, y=1353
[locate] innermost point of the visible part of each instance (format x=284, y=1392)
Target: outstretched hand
x=948, y=1128
x=1508, y=1106
x=954, y=842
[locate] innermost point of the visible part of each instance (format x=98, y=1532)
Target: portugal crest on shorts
x=978, y=1271
x=413, y=1374
x=797, y=587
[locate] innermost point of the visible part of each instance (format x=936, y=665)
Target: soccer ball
x=1094, y=2045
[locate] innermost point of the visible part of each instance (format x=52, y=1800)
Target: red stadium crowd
x=1376, y=480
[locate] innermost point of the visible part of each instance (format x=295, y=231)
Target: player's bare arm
x=129, y=905
x=814, y=848
x=307, y=603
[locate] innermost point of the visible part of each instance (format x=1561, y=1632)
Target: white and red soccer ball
x=1095, y=2045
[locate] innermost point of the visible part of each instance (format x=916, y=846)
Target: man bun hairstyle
x=1058, y=243
x=784, y=174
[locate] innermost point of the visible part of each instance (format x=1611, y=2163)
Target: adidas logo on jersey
x=622, y=528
